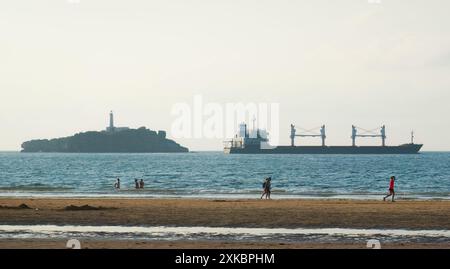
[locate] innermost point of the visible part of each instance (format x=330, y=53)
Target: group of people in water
x=138, y=184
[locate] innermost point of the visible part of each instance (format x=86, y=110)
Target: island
x=112, y=140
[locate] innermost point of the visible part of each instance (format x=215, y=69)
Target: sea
x=424, y=176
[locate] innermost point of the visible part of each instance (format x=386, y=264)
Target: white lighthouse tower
x=111, y=128
x=111, y=123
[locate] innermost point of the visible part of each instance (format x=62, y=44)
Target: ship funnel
x=243, y=130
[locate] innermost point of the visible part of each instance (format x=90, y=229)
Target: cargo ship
x=257, y=143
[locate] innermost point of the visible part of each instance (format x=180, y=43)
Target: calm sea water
x=422, y=176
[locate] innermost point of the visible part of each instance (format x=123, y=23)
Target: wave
x=137, y=194
x=35, y=187
x=46, y=190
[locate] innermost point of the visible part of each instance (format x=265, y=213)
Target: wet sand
x=231, y=213
x=140, y=244
x=224, y=213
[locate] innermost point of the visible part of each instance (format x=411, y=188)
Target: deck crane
x=308, y=133
x=368, y=133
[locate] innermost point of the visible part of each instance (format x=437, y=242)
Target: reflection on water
x=223, y=233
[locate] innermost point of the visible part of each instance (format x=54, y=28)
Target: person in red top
x=391, y=189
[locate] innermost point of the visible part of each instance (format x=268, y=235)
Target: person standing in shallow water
x=141, y=184
x=136, y=184
x=391, y=189
x=117, y=184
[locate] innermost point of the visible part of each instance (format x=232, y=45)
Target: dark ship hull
x=402, y=149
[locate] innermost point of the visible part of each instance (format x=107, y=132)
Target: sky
x=64, y=64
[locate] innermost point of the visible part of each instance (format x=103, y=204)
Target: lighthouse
x=111, y=122
x=111, y=128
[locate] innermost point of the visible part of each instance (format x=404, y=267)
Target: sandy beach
x=411, y=215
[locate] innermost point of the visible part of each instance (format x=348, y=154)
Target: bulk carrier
x=257, y=143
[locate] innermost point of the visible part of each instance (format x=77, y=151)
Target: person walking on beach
x=136, y=184
x=141, y=184
x=391, y=189
x=269, y=187
x=266, y=188
x=117, y=184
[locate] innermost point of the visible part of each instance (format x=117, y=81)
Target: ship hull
x=402, y=149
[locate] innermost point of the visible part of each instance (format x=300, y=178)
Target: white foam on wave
x=162, y=230
x=128, y=195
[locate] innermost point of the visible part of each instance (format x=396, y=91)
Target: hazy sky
x=65, y=64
